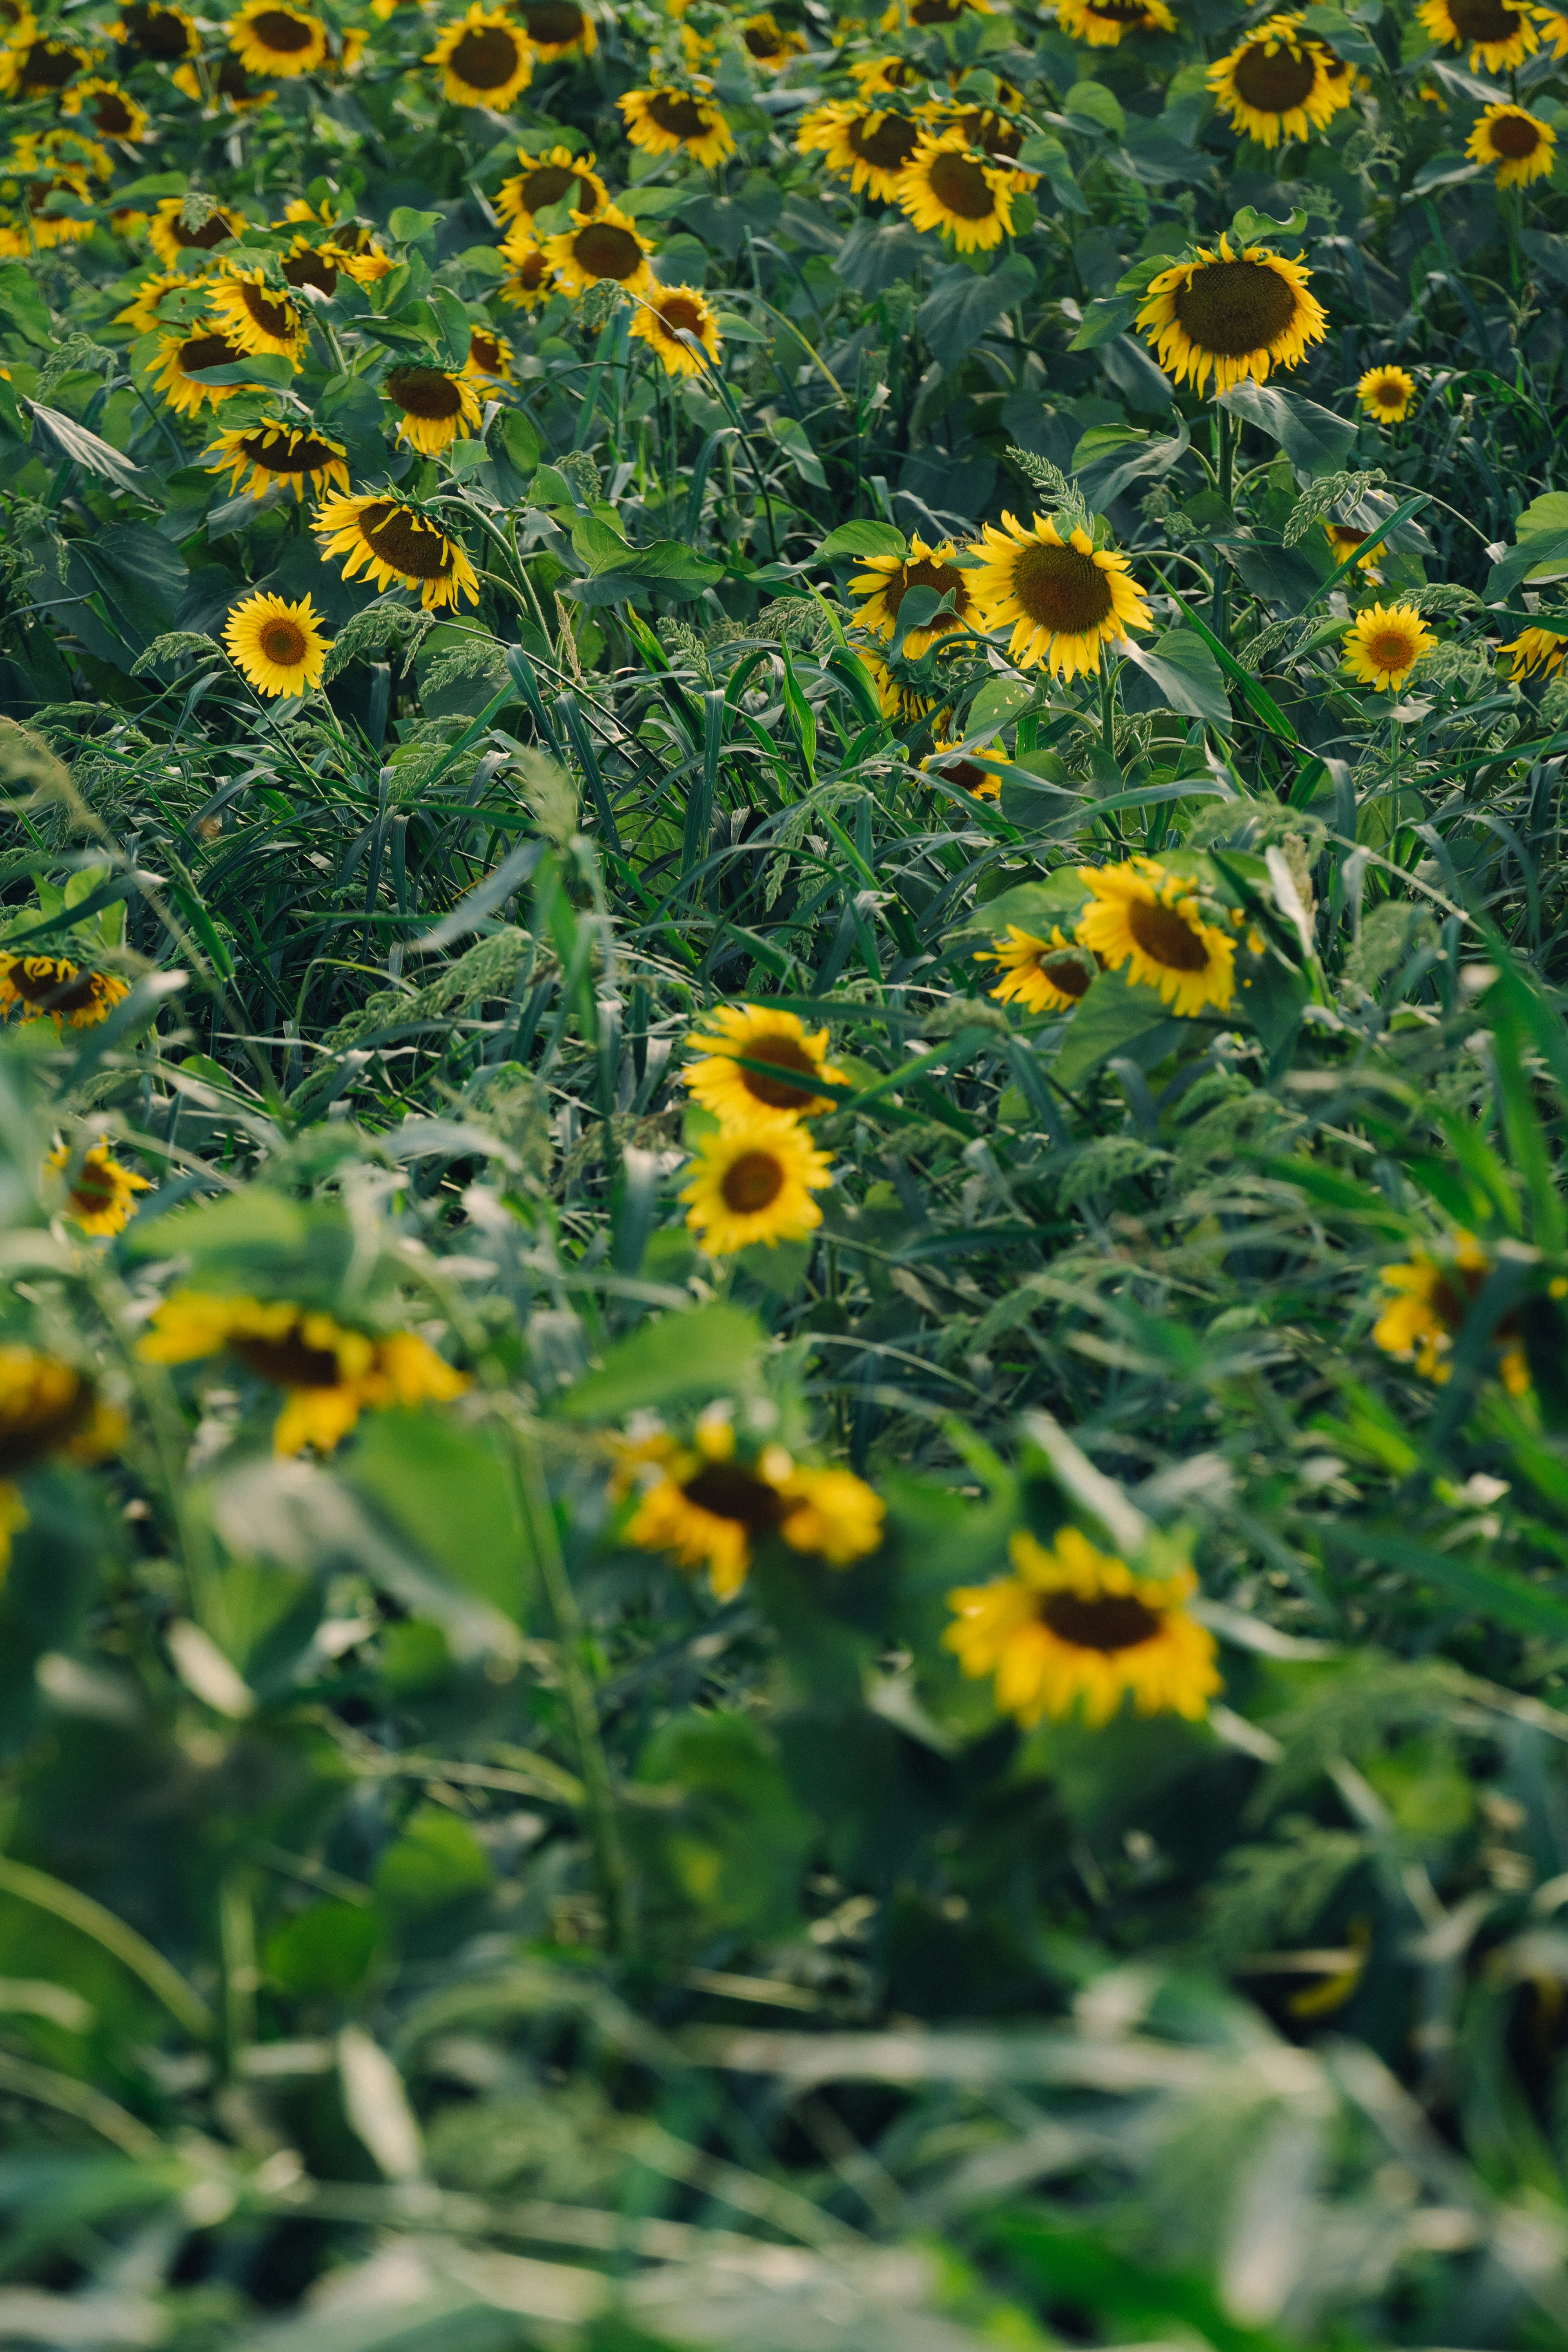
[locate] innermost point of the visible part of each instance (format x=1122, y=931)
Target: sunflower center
x=751, y=1182
x=289, y=1362
x=967, y=774
x=780, y=1053
x=1118, y=12
x=233, y=82
x=989, y=131
x=58, y=987
x=1111, y=1621
x=1389, y=390
x=1274, y=81
x=1060, y=590
x=1483, y=20
x=1342, y=536
x=425, y=393
x=889, y=146
x=548, y=184
x=682, y=315
x=111, y=114
x=279, y=320
x=606, y=251
x=51, y=1408
x=94, y=1189
x=406, y=543
x=156, y=32
x=681, y=117
x=1515, y=136
x=1071, y=974
x=1166, y=936
x=733, y=1494
x=554, y=24
x=277, y=30
x=213, y=231
x=484, y=351
x=485, y=59
x=531, y=271
x=1234, y=308
x=48, y=66
x=207, y=351
x=961, y=186
x=762, y=42
x=925, y=574
x=283, y=642
x=308, y=268
x=1390, y=649
x=935, y=12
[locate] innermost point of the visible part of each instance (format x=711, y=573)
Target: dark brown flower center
x=1344, y=539
x=682, y=315
x=1111, y=1621
x=1118, y=12
x=751, y=1182
x=54, y=986
x=1072, y=974
x=1060, y=590
x=886, y=141
x=283, y=642
x=1232, y=309
x=935, y=12
x=1166, y=938
x=547, y=183
x=925, y=574
x=1483, y=20
x=95, y=1189
x=38, y=1422
x=681, y=117
x=1274, y=83
x=207, y=351
x=1515, y=136
x=554, y=24
x=280, y=320
x=485, y=60
x=733, y=1494
x=294, y=453
x=989, y=132
x=156, y=32
x=531, y=271
x=289, y=1362
x=112, y=116
x=406, y=543
x=308, y=268
x=275, y=28
x=425, y=393
x=485, y=351
x=49, y=65
x=214, y=230
x=233, y=82
x=762, y=41
x=780, y=1053
x=602, y=250
x=961, y=186
x=1389, y=391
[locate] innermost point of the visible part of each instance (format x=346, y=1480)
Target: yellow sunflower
x=329, y=1374
x=558, y=28
x=1497, y=37
x=945, y=188
x=1231, y=315
x=224, y=82
x=708, y=1510
x=532, y=280
x=1433, y=1297
x=267, y=38
x=1386, y=393
x=434, y=407
x=51, y=988
x=1344, y=540
x=604, y=246
x=485, y=59
x=112, y=112
x=975, y=772
x=490, y=358
x=902, y=704
x=1073, y=1627
x=887, y=579
x=169, y=235
x=1277, y=83
x=395, y=547
x=666, y=316
x=39, y=68
x=254, y=316
x=993, y=133
x=142, y=314
x=754, y=1183
x=1383, y=645
x=166, y=34
x=1105, y=24
x=1153, y=922
x=1042, y=975
x=1554, y=28
x=865, y=145
x=762, y=1034
x=1518, y=145
x=768, y=45
x=1537, y=649
x=1063, y=599
x=279, y=648
x=664, y=121
x=178, y=354
x=549, y=179
x=47, y=1407
x=926, y=14
x=321, y=265
x=101, y=1195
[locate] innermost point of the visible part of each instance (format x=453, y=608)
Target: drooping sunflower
x=101, y=1195
x=1042, y=975
x=224, y=82
x=901, y=703
x=1231, y=315
x=279, y=648
x=143, y=313
x=664, y=121
x=976, y=772
x=1345, y=539
x=1434, y=1294
x=1106, y=24
x=886, y=580
x=707, y=1509
x=1518, y=145
x=51, y=988
x=156, y=30
x=1498, y=37
x=867, y=145
x=42, y=67
x=178, y=354
x=606, y=245
x=178, y=226
x=394, y=546
x=323, y=265
x=532, y=280
x=1062, y=599
x=754, y=1183
x=1073, y=1627
x=768, y=43
x=255, y=316
x=872, y=75
x=1537, y=649
x=761, y=1033
x=551, y=178
x=112, y=112
x=558, y=28
x=1152, y=921
x=991, y=133
x=1386, y=393
x=666, y=315
x=1276, y=84
x=433, y=407
x=1383, y=645
x=942, y=187
x=485, y=58
x=329, y=1373
x=490, y=357
x=270, y=39
x=274, y=451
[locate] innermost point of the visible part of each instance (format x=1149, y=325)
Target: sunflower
x=321, y=265
x=923, y=15
x=272, y=451
x=18, y=25
x=1498, y=37
x=164, y=33
x=1233, y=315
x=992, y=134
x=51, y=988
x=39, y=169
x=532, y=281
x=433, y=407
x=768, y=45
x=558, y=28
x=47, y=1408
x=665, y=122
x=1062, y=598
x=551, y=178
x=873, y=76
x=1344, y=540
x=1521, y=147
x=887, y=580
x=485, y=59
x=943, y=187
x=1383, y=645
x=101, y=1195
x=1105, y=24
x=42, y=67
x=112, y=112
x=1433, y=1298
x=171, y=234
x=1387, y=393
x=1042, y=975
x=269, y=38
x=974, y=773
x=1554, y=28
x=224, y=81
x=277, y=646
x=1277, y=83
x=902, y=704
x=759, y=1033
x=1073, y=1626
x=1153, y=922
x=708, y=1510
x=178, y=354
x=490, y=358
x=1537, y=649
x=666, y=316
x=255, y=317
x=141, y=313
x=605, y=245
x=329, y=1373
x=395, y=547
x=754, y=1183
x=864, y=144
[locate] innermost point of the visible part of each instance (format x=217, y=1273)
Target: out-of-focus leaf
x=708, y=1351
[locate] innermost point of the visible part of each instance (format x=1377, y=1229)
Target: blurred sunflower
x=321, y=265
x=872, y=75
x=942, y=187
x=1062, y=599
x=490, y=358
x=551, y=178
x=1433, y=1298
x=994, y=136
x=434, y=407
x=901, y=703
x=1345, y=539
x=706, y=1509
x=18, y=25
x=754, y=1183
x=112, y=112
x=1383, y=645
x=865, y=145
x=162, y=33
x=178, y=354
x=761, y=1033
x=975, y=772
x=1516, y=143
x=101, y=1195
x=886, y=580
x=1386, y=393
x=1537, y=649
x=269, y=38
x=666, y=315
x=927, y=15
x=1277, y=83
x=663, y=122
x=180, y=225
x=1152, y=921
x=1496, y=36
x=604, y=246
x=47, y=1407
x=1105, y=24
x=558, y=28
x=42, y=67
x=29, y=180
x=531, y=281
x=394, y=546
x=141, y=313
x=1042, y=975
x=51, y=988
x=1073, y=1627
x=768, y=45
x=485, y=58
x=222, y=82
x=1231, y=316
x=274, y=451
x=1553, y=24
x=277, y=646
x=254, y=316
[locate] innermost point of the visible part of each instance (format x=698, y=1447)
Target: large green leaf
x=708, y=1351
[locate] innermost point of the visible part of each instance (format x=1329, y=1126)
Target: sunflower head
x=554, y=178
x=396, y=546
x=280, y=648
x=886, y=580
x=255, y=316
x=532, y=280
x=1518, y=145
x=1383, y=645
x=267, y=37
x=1106, y=24
x=1433, y=1296
x=434, y=406
x=666, y=122
x=1387, y=393
x=768, y=45
x=667, y=317
x=273, y=451
x=753, y=1182
x=869, y=146
x=112, y=112
x=706, y=1506
x=975, y=772
x=1062, y=599
x=1537, y=649
x=1153, y=922
x=558, y=28
x=947, y=188
x=795, y=1062
x=486, y=59
x=1497, y=36
x=165, y=35
x=1042, y=975
x=180, y=226
x=605, y=245
x=1231, y=315
x=51, y=988
x=1278, y=83
x=45, y=1404
x=178, y=355
x=1344, y=539
x=101, y=1194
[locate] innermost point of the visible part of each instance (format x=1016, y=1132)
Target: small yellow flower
x=1433, y=1297
x=270, y=39
x=279, y=647
x=51, y=988
x=170, y=235
x=666, y=316
x=735, y=1095
x=1231, y=315
x=1042, y=975
x=664, y=121
x=768, y=45
x=1383, y=645
x=754, y=1183
x=1063, y=599
x=112, y=112
x=101, y=1195
x=1518, y=145
x=1278, y=83
x=1152, y=921
x=1387, y=393
x=274, y=451
x=708, y=1510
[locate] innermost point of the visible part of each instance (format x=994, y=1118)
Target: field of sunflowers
x=783, y=1116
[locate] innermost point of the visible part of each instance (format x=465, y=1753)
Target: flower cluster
x=760, y=1078
x=1140, y=917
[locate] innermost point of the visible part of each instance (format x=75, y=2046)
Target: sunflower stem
x=1107, y=704
x=1225, y=472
